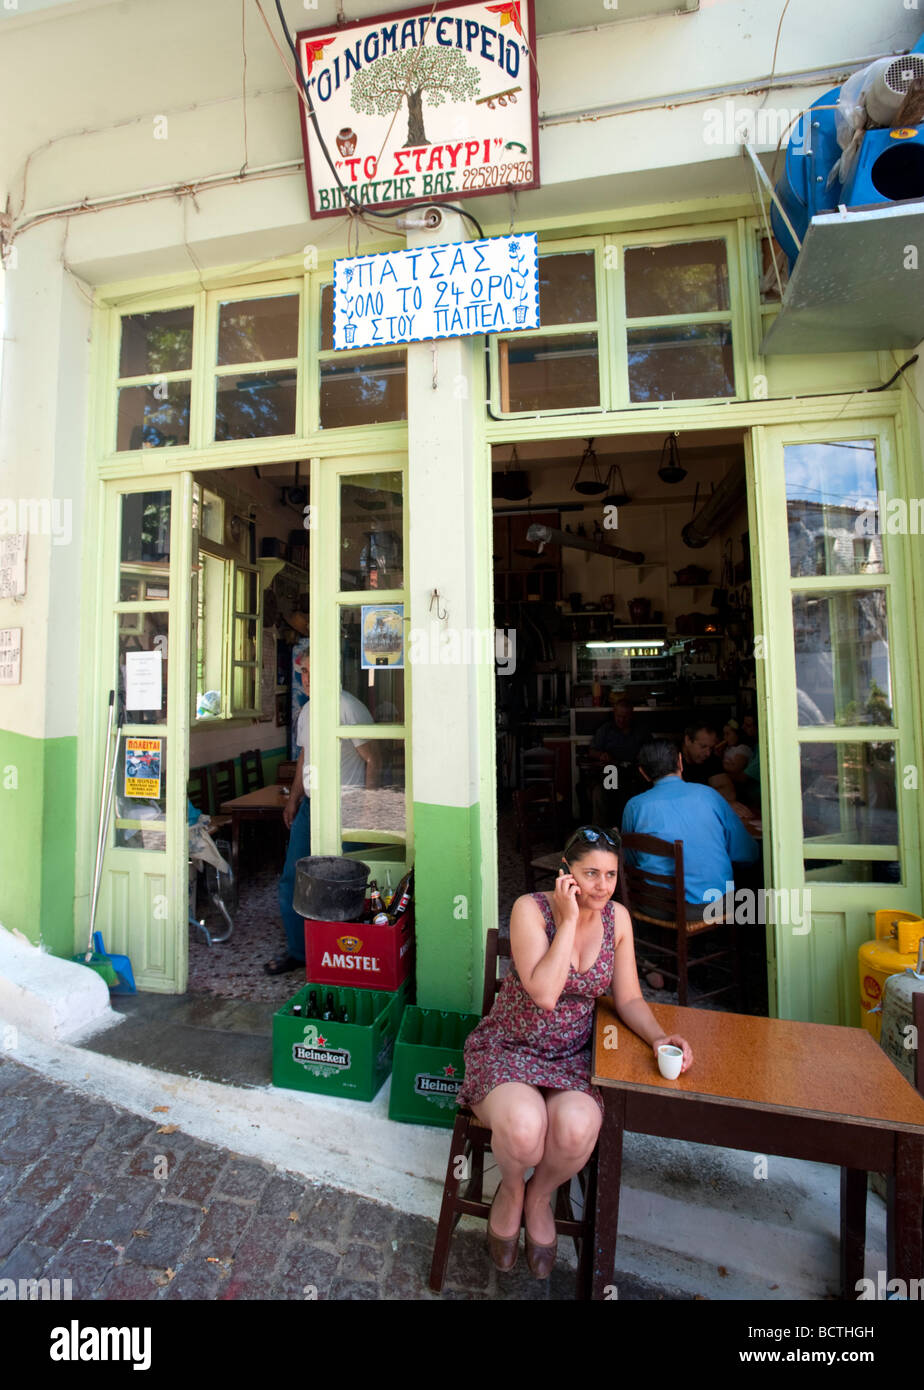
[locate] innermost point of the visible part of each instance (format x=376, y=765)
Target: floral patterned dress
x=518, y=1041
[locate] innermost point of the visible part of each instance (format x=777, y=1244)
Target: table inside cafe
x=771, y=1086
x=266, y=803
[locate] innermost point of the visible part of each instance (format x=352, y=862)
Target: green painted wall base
x=448, y=906
x=38, y=829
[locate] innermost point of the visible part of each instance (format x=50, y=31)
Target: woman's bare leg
x=518, y=1119
x=574, y=1121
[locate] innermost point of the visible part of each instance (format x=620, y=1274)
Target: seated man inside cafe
x=615, y=750
x=701, y=766
x=714, y=838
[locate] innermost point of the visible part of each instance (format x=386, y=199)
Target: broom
x=94, y=959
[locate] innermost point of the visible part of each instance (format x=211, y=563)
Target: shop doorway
x=633, y=615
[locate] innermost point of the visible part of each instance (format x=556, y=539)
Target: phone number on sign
x=498, y=173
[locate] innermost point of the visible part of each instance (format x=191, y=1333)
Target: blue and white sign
x=489, y=286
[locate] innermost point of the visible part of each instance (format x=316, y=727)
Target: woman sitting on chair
x=527, y=1064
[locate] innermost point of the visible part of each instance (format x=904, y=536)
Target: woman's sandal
x=540, y=1258
x=504, y=1249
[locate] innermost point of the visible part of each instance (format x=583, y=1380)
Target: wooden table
x=266, y=803
x=802, y=1090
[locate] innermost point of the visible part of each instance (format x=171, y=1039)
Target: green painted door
x=839, y=742
x=148, y=591
x=359, y=709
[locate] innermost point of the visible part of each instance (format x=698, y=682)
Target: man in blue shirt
x=713, y=836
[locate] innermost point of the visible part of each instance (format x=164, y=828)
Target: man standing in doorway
x=359, y=766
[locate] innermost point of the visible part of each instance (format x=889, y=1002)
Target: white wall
x=84, y=90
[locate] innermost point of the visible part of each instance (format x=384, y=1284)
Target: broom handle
x=115, y=764
x=102, y=806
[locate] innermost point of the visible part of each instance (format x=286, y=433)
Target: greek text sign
x=489, y=286
x=436, y=102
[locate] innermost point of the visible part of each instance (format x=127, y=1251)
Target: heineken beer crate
x=357, y=954
x=429, y=1066
x=332, y=1057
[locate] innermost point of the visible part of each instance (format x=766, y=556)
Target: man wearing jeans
x=359, y=766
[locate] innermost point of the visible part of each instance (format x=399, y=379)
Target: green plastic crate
x=429, y=1066
x=338, y=1059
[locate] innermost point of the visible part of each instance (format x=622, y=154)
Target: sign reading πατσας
x=489, y=286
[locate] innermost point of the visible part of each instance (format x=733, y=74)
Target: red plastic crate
x=351, y=953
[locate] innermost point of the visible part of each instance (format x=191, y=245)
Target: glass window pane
x=244, y=688
x=842, y=658
x=258, y=330
x=327, y=318
x=684, y=362
x=567, y=288
x=212, y=520
x=140, y=794
x=153, y=417
x=246, y=598
x=372, y=785
x=689, y=277
x=144, y=557
x=556, y=373
x=251, y=407
x=381, y=690
x=358, y=390
x=145, y=702
x=159, y=342
x=245, y=639
x=210, y=698
x=832, y=507
x=372, y=531
x=848, y=793
x=852, y=871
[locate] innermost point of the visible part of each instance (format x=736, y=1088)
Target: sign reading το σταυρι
x=488, y=286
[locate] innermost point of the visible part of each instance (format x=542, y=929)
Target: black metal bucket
x=330, y=888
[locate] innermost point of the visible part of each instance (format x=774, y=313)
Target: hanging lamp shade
x=615, y=483
x=513, y=484
x=592, y=486
x=669, y=469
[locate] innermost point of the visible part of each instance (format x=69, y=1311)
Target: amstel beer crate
x=429, y=1066
x=352, y=953
x=335, y=1058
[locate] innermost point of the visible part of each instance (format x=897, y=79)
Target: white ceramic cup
x=670, y=1060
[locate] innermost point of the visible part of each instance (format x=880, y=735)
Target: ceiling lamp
x=513, y=484
x=669, y=469
x=618, y=497
x=590, y=487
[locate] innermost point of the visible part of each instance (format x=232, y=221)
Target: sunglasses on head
x=590, y=835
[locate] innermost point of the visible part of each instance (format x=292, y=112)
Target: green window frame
x=228, y=612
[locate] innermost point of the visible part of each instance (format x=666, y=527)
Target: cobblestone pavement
x=131, y=1208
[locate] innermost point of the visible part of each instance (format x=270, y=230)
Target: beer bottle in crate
x=312, y=1010
x=375, y=900
x=297, y=1010
x=328, y=1011
x=347, y=1006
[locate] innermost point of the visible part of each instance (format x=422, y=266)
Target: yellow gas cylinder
x=895, y=948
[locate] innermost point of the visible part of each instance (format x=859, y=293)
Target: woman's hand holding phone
x=566, y=898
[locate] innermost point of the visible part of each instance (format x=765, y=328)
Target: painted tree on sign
x=442, y=73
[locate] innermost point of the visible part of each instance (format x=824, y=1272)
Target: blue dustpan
x=120, y=964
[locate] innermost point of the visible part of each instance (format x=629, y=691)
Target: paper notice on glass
x=143, y=767
x=144, y=680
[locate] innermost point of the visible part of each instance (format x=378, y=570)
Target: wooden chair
x=658, y=900
x=539, y=770
x=285, y=773
x=471, y=1140
x=251, y=771
x=537, y=822
x=197, y=788
x=221, y=788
